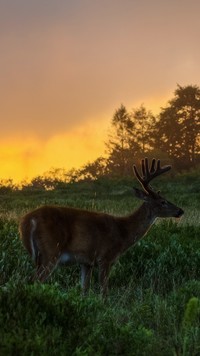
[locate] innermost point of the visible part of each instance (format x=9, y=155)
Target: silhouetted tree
x=56, y=174
x=178, y=129
x=122, y=144
x=7, y=186
x=144, y=123
x=94, y=170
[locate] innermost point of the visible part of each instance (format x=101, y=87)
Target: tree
x=178, y=129
x=122, y=144
x=93, y=170
x=144, y=123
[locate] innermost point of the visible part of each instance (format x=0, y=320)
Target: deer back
x=58, y=230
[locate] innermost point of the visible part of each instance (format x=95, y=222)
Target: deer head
x=158, y=204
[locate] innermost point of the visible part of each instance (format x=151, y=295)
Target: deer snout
x=179, y=213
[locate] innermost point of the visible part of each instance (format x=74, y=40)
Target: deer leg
x=104, y=269
x=86, y=273
x=44, y=269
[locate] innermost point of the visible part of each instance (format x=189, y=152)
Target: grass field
x=154, y=300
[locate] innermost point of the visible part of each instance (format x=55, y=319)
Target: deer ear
x=140, y=194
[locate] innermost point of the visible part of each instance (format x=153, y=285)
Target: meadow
x=154, y=291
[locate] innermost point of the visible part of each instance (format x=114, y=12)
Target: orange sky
x=66, y=66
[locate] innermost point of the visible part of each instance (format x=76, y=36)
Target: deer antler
x=149, y=174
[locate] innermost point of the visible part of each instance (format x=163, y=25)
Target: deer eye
x=163, y=203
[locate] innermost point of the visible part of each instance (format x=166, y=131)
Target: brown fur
x=51, y=233
x=91, y=238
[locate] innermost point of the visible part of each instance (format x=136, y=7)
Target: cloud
x=65, y=64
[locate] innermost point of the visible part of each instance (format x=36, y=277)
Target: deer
x=55, y=235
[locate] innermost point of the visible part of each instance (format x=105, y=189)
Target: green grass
x=154, y=300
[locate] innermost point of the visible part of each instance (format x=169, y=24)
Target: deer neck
x=139, y=223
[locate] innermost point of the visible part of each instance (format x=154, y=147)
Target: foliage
x=6, y=186
x=121, y=144
x=174, y=134
x=94, y=170
x=144, y=123
x=178, y=128
x=153, y=304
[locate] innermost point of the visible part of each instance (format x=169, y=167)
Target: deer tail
x=27, y=234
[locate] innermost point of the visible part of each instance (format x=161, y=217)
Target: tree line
x=173, y=135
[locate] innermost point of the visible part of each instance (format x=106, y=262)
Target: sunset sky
x=67, y=65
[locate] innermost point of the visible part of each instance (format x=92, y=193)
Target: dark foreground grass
x=154, y=302
x=42, y=320
x=153, y=305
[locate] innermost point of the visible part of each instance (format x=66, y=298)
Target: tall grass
x=153, y=304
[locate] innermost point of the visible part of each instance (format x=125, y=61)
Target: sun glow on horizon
x=24, y=159
x=67, y=66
